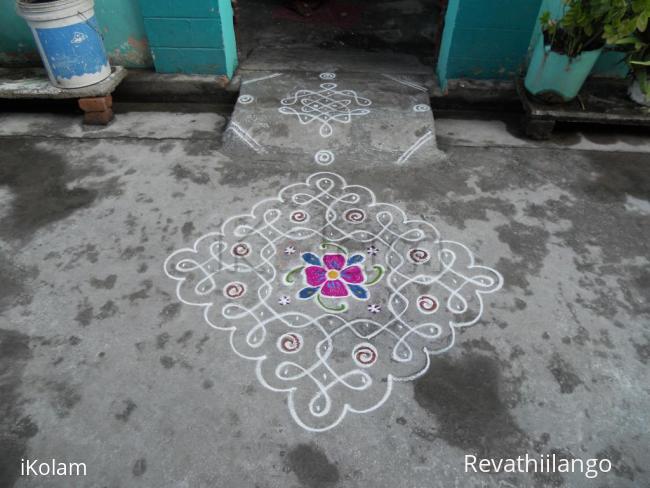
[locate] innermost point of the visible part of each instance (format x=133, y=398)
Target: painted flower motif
x=372, y=251
x=374, y=308
x=78, y=38
x=332, y=278
x=335, y=276
x=284, y=300
x=289, y=250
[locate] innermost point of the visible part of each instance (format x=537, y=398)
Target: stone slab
x=34, y=83
x=349, y=60
x=597, y=104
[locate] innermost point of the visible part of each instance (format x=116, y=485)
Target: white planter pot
x=637, y=95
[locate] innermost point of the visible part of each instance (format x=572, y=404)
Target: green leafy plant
x=630, y=32
x=582, y=25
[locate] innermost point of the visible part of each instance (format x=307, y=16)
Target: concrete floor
x=100, y=363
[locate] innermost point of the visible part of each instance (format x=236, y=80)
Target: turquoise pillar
x=193, y=37
x=442, y=68
x=485, y=39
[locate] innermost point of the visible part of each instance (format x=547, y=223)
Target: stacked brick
x=97, y=110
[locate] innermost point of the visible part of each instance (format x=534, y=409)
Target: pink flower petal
x=315, y=275
x=334, y=288
x=334, y=261
x=353, y=274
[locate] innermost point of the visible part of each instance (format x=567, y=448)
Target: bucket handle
x=87, y=20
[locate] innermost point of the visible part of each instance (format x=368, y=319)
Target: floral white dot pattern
x=323, y=323
x=374, y=308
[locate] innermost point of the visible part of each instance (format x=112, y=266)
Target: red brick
x=98, y=118
x=98, y=104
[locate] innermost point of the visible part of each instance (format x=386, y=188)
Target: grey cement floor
x=100, y=363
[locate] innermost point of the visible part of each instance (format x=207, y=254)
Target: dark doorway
x=398, y=26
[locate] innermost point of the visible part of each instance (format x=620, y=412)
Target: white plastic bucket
x=68, y=39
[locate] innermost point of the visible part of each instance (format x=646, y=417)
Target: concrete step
x=302, y=58
x=333, y=117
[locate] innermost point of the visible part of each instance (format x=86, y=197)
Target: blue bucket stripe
x=73, y=50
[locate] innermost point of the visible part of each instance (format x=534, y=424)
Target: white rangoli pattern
x=246, y=99
x=333, y=295
x=324, y=157
x=325, y=106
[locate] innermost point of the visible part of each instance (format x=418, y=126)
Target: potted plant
x=640, y=64
x=569, y=47
x=631, y=32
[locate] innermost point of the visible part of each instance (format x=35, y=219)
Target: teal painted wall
x=191, y=37
x=485, y=39
x=120, y=20
x=124, y=33
x=611, y=64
